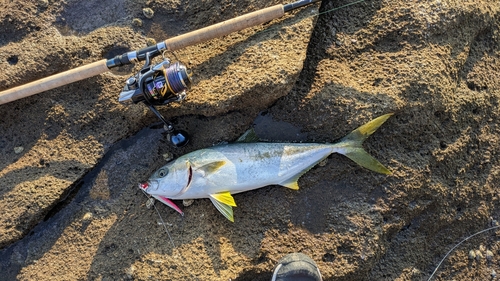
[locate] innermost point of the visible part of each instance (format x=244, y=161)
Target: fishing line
x=315, y=15
x=161, y=219
x=165, y=227
x=467, y=238
x=338, y=8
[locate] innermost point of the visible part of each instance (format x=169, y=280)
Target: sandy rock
x=70, y=129
x=436, y=64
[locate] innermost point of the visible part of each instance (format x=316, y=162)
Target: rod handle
x=53, y=81
x=224, y=28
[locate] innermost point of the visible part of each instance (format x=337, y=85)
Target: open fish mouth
x=149, y=185
x=144, y=185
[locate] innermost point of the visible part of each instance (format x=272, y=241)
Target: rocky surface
x=71, y=157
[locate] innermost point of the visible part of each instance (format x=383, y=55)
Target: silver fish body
x=220, y=171
x=239, y=167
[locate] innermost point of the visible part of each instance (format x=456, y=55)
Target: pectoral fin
x=224, y=197
x=225, y=209
x=211, y=167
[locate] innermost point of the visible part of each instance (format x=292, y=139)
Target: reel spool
x=159, y=84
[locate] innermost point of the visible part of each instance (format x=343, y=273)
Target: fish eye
x=162, y=172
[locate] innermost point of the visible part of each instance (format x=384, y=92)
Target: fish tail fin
x=351, y=145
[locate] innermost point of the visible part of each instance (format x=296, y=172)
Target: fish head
x=170, y=180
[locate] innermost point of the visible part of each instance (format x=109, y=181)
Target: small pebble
x=493, y=273
x=18, y=149
x=44, y=4
x=472, y=254
x=168, y=156
x=150, y=203
x=187, y=202
x=87, y=216
x=137, y=22
x=150, y=41
x=148, y=13
x=489, y=255
x=130, y=272
x=479, y=255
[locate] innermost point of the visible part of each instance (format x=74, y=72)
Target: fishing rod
x=158, y=84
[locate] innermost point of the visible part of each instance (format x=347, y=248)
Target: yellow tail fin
x=351, y=145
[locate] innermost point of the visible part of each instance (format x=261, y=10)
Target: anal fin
x=223, y=208
x=291, y=183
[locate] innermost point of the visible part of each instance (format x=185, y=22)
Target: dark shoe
x=296, y=267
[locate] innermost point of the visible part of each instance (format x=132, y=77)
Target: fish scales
x=264, y=163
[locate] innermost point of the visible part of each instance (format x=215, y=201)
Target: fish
x=220, y=171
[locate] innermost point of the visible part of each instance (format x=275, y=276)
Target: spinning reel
x=159, y=84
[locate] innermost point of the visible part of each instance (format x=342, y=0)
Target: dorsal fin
x=248, y=136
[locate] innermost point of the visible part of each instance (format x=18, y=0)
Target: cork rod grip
x=224, y=28
x=53, y=81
